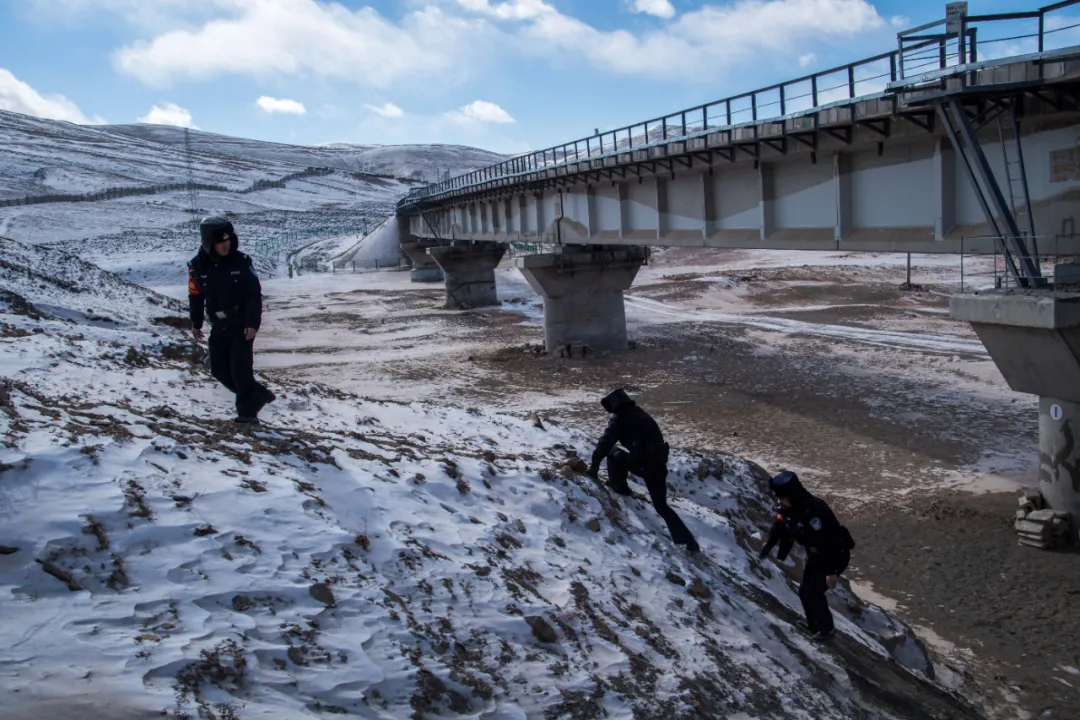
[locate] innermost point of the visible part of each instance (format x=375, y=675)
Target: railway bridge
x=964, y=138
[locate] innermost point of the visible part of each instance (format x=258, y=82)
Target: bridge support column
x=583, y=294
x=424, y=268
x=1034, y=339
x=470, y=273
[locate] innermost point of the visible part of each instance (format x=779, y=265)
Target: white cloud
x=17, y=96
x=509, y=10
x=659, y=8
x=274, y=105
x=481, y=111
x=169, y=114
x=445, y=38
x=899, y=21
x=305, y=37
x=386, y=110
x=711, y=34
x=807, y=60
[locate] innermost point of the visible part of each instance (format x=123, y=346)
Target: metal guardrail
x=916, y=55
x=980, y=270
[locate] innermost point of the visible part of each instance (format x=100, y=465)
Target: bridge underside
x=871, y=176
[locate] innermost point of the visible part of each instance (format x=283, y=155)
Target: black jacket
x=811, y=523
x=227, y=289
x=637, y=432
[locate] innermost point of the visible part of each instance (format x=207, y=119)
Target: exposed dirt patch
x=881, y=432
x=953, y=563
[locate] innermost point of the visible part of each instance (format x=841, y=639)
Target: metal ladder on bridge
x=1016, y=178
x=1000, y=211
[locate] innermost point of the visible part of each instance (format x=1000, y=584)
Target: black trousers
x=812, y=593
x=655, y=477
x=232, y=360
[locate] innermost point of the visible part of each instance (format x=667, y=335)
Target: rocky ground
x=827, y=364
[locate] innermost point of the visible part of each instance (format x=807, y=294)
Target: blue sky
x=507, y=75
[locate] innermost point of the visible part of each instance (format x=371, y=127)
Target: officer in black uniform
x=645, y=455
x=222, y=282
x=806, y=519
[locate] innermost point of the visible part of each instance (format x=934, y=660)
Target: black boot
x=267, y=398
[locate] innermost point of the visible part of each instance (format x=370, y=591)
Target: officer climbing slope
x=222, y=284
x=645, y=455
x=806, y=519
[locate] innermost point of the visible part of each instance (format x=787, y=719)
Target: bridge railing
x=1003, y=35
x=980, y=270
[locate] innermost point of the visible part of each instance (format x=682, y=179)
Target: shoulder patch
x=815, y=523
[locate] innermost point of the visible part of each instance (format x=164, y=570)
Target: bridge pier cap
x=583, y=295
x=1033, y=337
x=424, y=267
x=469, y=270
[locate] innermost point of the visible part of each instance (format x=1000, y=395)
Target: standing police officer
x=646, y=456
x=808, y=520
x=222, y=281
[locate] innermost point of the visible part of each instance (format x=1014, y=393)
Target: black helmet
x=616, y=400
x=213, y=230
x=787, y=485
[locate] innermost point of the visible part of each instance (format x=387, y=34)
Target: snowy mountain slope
x=375, y=559
x=64, y=287
x=43, y=157
x=403, y=161
x=134, y=212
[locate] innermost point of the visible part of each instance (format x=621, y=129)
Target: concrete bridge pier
x=470, y=272
x=424, y=268
x=583, y=289
x=1033, y=337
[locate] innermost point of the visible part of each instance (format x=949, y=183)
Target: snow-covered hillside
x=420, y=162
x=371, y=558
x=116, y=195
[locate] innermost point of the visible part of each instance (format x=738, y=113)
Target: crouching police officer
x=808, y=520
x=646, y=455
x=222, y=282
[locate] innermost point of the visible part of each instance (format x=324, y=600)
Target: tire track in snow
x=930, y=342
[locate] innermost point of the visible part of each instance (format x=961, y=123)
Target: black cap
x=214, y=229
x=615, y=400
x=786, y=484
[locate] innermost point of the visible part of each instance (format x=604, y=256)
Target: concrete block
x=1045, y=516
x=1034, y=496
x=1036, y=309
x=1026, y=527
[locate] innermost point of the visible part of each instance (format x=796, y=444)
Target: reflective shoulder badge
x=815, y=523
x=192, y=286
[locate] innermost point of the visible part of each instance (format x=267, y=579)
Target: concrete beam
x=470, y=273
x=767, y=218
x=583, y=295
x=708, y=191
x=842, y=180
x=944, y=189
